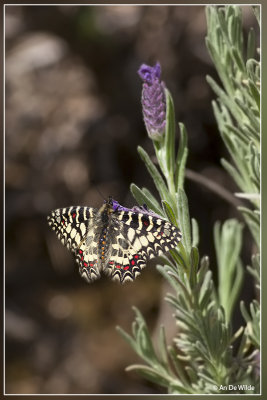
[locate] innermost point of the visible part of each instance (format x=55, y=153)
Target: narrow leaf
x=142, y=198
x=181, y=158
x=170, y=132
x=155, y=174
x=183, y=215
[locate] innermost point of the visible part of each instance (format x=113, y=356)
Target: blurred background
x=73, y=123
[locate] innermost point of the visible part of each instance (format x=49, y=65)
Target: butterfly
x=114, y=239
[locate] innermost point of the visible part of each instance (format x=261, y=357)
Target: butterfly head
x=113, y=205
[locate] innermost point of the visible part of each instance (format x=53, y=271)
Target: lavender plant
x=237, y=111
x=201, y=358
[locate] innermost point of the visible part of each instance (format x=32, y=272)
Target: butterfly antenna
x=100, y=194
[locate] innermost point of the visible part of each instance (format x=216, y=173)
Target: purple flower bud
x=153, y=100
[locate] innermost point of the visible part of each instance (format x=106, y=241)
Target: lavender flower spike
x=153, y=101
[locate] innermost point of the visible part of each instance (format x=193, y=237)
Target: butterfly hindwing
x=138, y=237
x=124, y=261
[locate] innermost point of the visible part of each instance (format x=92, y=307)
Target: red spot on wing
x=126, y=267
x=73, y=215
x=85, y=264
x=118, y=266
x=80, y=251
x=132, y=262
x=136, y=256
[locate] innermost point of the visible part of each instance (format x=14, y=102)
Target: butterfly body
x=114, y=239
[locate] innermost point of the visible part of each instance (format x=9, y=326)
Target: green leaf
x=181, y=158
x=163, y=347
x=233, y=172
x=142, y=196
x=253, y=222
x=227, y=100
x=204, y=267
x=223, y=24
x=238, y=132
x=251, y=44
x=228, y=242
x=144, y=344
x=169, y=137
x=252, y=133
x=253, y=70
x=217, y=59
x=253, y=119
x=169, y=212
x=155, y=174
x=184, y=220
x=152, y=198
x=194, y=259
x=127, y=337
x=180, y=257
x=195, y=233
x=255, y=269
x=205, y=290
x=238, y=59
x=236, y=285
x=255, y=93
x=169, y=276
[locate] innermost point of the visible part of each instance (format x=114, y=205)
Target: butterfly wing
x=137, y=237
x=75, y=228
